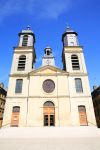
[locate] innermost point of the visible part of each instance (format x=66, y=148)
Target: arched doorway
x=49, y=113
x=82, y=115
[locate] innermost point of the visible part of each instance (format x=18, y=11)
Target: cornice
x=77, y=74
x=81, y=96
x=57, y=96
x=23, y=47
x=73, y=49
x=18, y=75
x=49, y=74
x=23, y=52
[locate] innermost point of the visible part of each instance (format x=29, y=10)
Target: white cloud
x=37, y=8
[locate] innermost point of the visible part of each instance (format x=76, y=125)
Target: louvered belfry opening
x=21, y=63
x=75, y=62
x=25, y=40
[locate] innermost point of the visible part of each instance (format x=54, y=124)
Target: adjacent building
x=48, y=95
x=3, y=94
x=96, y=103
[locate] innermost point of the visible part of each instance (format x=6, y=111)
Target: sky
x=49, y=19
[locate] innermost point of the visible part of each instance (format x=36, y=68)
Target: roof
x=69, y=31
x=3, y=91
x=96, y=92
x=27, y=31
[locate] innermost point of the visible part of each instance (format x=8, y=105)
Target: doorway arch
x=49, y=113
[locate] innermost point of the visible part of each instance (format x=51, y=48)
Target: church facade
x=48, y=96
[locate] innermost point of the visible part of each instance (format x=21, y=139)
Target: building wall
x=29, y=59
x=2, y=103
x=64, y=97
x=96, y=103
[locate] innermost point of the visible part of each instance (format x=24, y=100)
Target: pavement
x=50, y=138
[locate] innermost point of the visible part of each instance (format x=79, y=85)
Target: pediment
x=47, y=70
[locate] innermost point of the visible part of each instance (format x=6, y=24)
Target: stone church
x=48, y=96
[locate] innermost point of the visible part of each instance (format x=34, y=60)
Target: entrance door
x=82, y=116
x=49, y=114
x=15, y=116
x=49, y=120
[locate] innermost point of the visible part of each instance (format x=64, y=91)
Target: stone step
x=49, y=132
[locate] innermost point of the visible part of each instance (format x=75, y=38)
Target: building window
x=78, y=85
x=48, y=104
x=16, y=109
x=82, y=115
x=21, y=63
x=18, y=88
x=25, y=40
x=75, y=62
x=72, y=43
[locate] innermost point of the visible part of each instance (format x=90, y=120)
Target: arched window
x=78, y=85
x=48, y=104
x=75, y=62
x=15, y=116
x=49, y=113
x=16, y=109
x=21, y=63
x=18, y=88
x=82, y=115
x=25, y=40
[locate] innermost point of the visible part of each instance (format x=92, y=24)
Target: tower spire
x=68, y=27
x=28, y=27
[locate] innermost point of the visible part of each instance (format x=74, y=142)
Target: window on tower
x=25, y=40
x=75, y=62
x=78, y=85
x=18, y=88
x=21, y=63
x=48, y=52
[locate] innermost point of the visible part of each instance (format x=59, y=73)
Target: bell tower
x=24, y=54
x=72, y=54
x=48, y=58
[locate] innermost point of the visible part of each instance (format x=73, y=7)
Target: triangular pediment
x=49, y=70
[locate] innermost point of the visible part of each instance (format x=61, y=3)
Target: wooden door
x=82, y=116
x=15, y=116
x=49, y=115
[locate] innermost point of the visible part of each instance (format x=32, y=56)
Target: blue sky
x=48, y=19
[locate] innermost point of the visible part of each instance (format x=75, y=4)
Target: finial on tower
x=28, y=27
x=68, y=27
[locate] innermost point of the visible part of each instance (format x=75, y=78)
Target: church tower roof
x=27, y=31
x=69, y=31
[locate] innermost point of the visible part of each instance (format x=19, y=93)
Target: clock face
x=48, y=62
x=48, y=86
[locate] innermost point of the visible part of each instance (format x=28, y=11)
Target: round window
x=48, y=86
